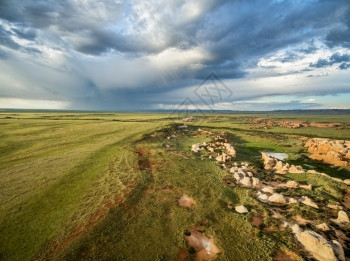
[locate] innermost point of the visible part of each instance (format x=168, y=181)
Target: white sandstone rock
x=241, y=209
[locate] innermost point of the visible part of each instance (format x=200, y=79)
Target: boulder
x=347, y=182
x=223, y=157
x=342, y=217
x=230, y=150
x=338, y=250
x=195, y=147
x=307, y=201
x=255, y=182
x=237, y=176
x=246, y=182
x=269, y=162
x=211, y=149
x=315, y=244
x=334, y=206
x=292, y=201
x=323, y=227
x=307, y=187
x=291, y=184
x=268, y=189
x=241, y=209
x=263, y=197
x=277, y=198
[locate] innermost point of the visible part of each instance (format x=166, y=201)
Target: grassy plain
x=103, y=186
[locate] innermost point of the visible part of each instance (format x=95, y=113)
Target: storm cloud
x=137, y=55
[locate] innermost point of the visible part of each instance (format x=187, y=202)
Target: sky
x=198, y=54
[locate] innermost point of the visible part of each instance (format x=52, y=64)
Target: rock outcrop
x=315, y=244
x=334, y=152
x=279, y=167
x=244, y=177
x=230, y=150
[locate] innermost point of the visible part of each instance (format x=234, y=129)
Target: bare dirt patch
x=257, y=220
x=204, y=246
x=184, y=255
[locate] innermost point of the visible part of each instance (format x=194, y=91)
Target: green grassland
x=103, y=186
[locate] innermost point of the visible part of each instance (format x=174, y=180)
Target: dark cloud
x=335, y=58
x=268, y=106
x=25, y=33
x=340, y=36
x=344, y=66
x=6, y=39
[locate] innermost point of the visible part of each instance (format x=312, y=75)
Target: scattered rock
x=277, y=198
x=184, y=126
x=241, y=209
x=210, y=149
x=342, y=217
x=223, y=157
x=347, y=182
x=195, y=147
x=277, y=166
x=230, y=150
x=268, y=189
x=291, y=184
x=186, y=202
x=307, y=201
x=263, y=197
x=292, y=201
x=307, y=187
x=255, y=182
x=189, y=119
x=334, y=206
x=323, y=227
x=315, y=244
x=245, y=182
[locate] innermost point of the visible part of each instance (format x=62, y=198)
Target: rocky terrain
x=334, y=152
x=328, y=241
x=258, y=123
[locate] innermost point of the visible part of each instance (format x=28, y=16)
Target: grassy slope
x=29, y=221
x=150, y=225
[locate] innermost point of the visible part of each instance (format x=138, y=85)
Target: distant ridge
x=308, y=111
